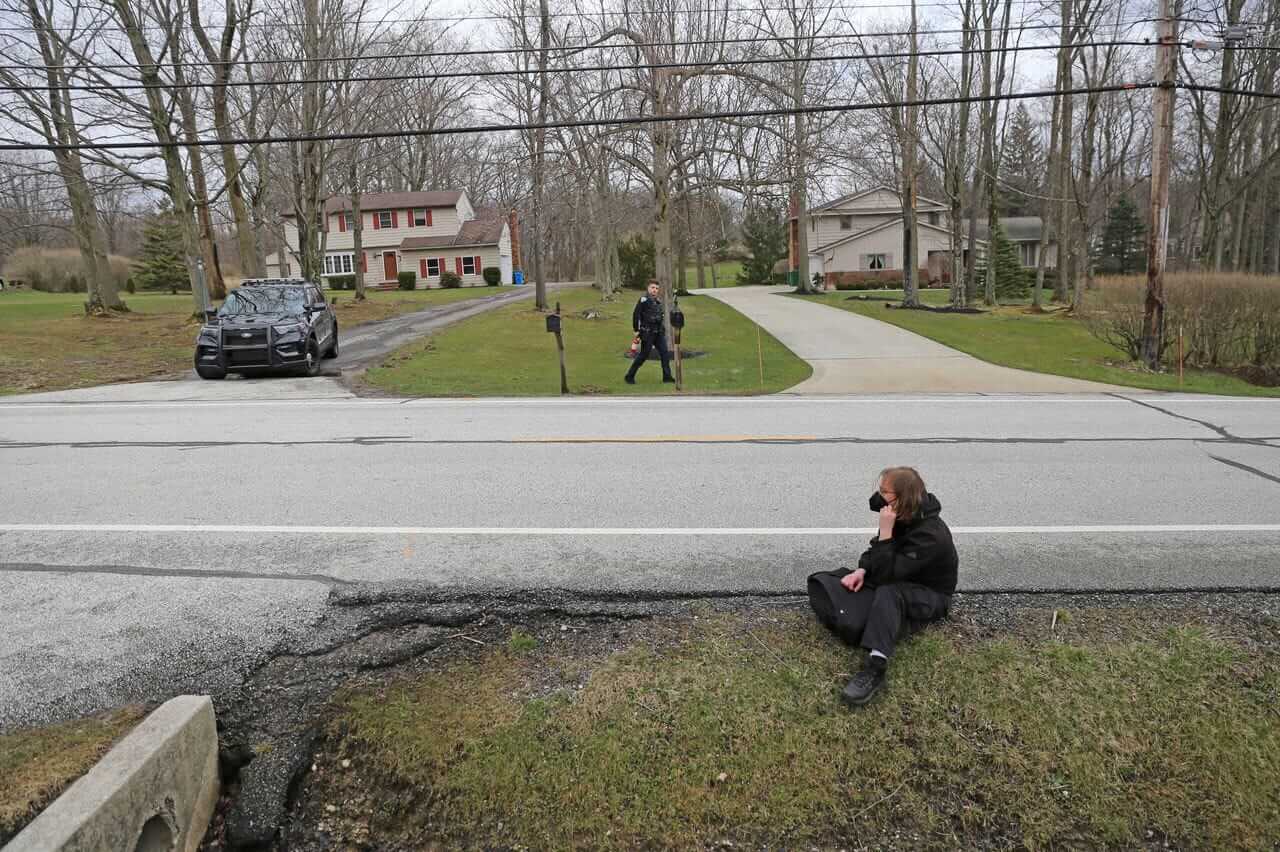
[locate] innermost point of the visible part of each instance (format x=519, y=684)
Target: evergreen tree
x=1122, y=250
x=765, y=233
x=160, y=264
x=636, y=261
x=1013, y=282
x=1022, y=174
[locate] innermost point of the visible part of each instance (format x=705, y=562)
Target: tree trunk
x=212, y=269
x=1051, y=169
x=1216, y=185
x=910, y=143
x=539, y=153
x=661, y=141
x=957, y=170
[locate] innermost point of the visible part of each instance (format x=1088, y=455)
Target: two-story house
x=423, y=232
x=859, y=236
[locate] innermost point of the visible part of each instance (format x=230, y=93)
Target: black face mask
x=877, y=502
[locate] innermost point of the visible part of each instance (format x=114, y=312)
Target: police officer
x=646, y=320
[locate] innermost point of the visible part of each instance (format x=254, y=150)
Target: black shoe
x=669, y=379
x=629, y=379
x=865, y=684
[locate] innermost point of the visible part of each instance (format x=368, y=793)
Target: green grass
x=1052, y=343
x=38, y=764
x=508, y=352
x=726, y=274
x=49, y=344
x=736, y=734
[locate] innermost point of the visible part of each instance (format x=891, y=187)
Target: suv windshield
x=247, y=301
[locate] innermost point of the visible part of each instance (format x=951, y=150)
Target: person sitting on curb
x=647, y=321
x=903, y=581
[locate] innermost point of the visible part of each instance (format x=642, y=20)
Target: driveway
x=853, y=354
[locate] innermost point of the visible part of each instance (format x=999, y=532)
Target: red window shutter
x=394, y=222
x=428, y=217
x=442, y=267
x=422, y=264
x=477, y=264
x=457, y=262
x=342, y=221
x=364, y=262
x=376, y=217
x=409, y=213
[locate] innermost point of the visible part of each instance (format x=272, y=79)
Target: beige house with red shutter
x=426, y=233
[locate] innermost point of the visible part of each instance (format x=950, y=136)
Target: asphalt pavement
x=158, y=541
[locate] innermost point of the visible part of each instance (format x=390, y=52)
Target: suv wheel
x=312, y=366
x=333, y=350
x=207, y=371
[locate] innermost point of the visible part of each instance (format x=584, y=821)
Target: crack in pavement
x=142, y=571
x=1246, y=468
x=406, y=440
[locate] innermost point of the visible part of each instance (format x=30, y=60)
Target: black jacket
x=648, y=314
x=920, y=551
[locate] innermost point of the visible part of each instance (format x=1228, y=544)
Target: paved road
x=151, y=545
x=853, y=354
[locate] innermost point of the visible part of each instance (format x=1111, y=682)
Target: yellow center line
x=665, y=439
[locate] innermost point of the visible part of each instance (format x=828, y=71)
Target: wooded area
x=199, y=84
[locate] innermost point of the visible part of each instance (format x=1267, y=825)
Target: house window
x=1029, y=253
x=846, y=223
x=433, y=267
x=338, y=264
x=384, y=218
x=468, y=266
x=877, y=261
x=421, y=219
x=933, y=217
x=351, y=220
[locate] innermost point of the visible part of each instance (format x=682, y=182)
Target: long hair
x=907, y=484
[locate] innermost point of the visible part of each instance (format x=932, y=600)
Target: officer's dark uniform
x=646, y=320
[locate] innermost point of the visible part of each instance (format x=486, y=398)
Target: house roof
x=865, y=231
x=921, y=201
x=1019, y=229
x=391, y=201
x=484, y=230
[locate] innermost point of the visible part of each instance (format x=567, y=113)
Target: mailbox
x=677, y=316
x=553, y=323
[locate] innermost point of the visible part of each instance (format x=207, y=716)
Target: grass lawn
x=38, y=764
x=726, y=274
x=508, y=352
x=49, y=344
x=1123, y=728
x=1044, y=343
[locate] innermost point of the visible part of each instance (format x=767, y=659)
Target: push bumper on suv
x=255, y=348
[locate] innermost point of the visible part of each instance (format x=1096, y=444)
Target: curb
x=155, y=790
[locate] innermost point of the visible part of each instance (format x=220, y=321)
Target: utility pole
x=1161, y=153
x=539, y=155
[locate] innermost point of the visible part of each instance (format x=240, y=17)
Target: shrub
x=343, y=282
x=58, y=270
x=635, y=258
x=765, y=233
x=408, y=280
x=492, y=275
x=129, y=286
x=1228, y=320
x=450, y=280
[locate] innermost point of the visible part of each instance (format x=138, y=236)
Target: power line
x=573, y=48
x=614, y=122
x=381, y=78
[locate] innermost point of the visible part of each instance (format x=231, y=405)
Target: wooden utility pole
x=564, y=378
x=1161, y=153
x=539, y=157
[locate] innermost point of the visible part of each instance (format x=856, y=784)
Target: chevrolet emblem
x=246, y=335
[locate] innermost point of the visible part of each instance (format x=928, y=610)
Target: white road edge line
x=614, y=531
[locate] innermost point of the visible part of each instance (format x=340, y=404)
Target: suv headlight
x=209, y=334
x=287, y=333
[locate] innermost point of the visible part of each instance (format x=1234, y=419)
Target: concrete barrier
x=154, y=792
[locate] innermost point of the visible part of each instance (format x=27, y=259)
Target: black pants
x=655, y=340
x=875, y=618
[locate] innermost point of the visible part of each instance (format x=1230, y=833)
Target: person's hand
x=887, y=518
x=853, y=582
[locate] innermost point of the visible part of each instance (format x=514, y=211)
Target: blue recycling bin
x=517, y=278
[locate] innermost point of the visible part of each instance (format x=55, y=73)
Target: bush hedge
x=492, y=276
x=1227, y=320
x=450, y=280
x=58, y=270
x=408, y=280
x=342, y=282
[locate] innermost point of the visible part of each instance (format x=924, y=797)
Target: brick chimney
x=513, y=225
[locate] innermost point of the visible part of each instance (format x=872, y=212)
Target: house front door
x=389, y=268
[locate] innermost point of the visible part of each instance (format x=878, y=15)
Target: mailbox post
x=553, y=326
x=677, y=325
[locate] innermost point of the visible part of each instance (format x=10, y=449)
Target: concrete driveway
x=852, y=354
